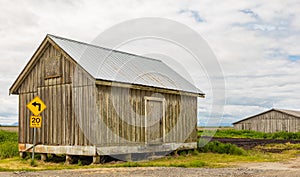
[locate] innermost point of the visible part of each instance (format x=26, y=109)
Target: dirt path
x=247, y=143
x=290, y=168
x=139, y=172
x=268, y=169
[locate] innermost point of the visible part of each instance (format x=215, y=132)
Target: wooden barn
x=104, y=102
x=273, y=120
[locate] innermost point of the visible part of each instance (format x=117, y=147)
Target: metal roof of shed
x=290, y=112
x=117, y=66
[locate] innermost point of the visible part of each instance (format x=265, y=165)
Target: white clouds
x=254, y=54
x=252, y=40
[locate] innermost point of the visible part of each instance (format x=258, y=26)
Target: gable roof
x=284, y=111
x=290, y=112
x=112, y=65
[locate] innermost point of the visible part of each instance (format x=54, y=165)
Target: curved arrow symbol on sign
x=37, y=104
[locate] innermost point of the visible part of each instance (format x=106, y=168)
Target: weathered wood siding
x=270, y=122
x=122, y=108
x=52, y=82
x=83, y=113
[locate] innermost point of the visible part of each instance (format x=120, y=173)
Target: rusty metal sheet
x=22, y=147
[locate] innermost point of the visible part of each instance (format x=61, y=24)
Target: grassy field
x=278, y=147
x=231, y=133
x=213, y=154
x=8, y=144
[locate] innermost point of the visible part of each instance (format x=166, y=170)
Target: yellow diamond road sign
x=35, y=121
x=36, y=106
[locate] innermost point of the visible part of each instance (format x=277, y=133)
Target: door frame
x=163, y=100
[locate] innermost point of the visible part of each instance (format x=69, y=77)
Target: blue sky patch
x=294, y=57
x=249, y=12
x=194, y=14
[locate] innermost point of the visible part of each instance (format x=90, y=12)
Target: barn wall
x=122, y=108
x=270, y=122
x=52, y=82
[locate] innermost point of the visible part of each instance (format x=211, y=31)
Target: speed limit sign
x=35, y=121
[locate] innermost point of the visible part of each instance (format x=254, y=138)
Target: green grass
x=221, y=148
x=280, y=147
x=191, y=159
x=212, y=154
x=231, y=133
x=189, y=162
x=8, y=144
x=210, y=160
x=33, y=163
x=8, y=136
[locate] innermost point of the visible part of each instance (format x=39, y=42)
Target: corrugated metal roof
x=112, y=65
x=290, y=112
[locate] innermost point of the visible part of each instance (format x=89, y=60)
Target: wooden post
x=96, y=159
x=68, y=159
x=43, y=157
x=22, y=155
x=127, y=157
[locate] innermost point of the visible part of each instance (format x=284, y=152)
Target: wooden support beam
x=109, y=150
x=96, y=159
x=127, y=157
x=22, y=155
x=68, y=159
x=147, y=88
x=43, y=157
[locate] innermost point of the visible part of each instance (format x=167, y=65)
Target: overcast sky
x=256, y=43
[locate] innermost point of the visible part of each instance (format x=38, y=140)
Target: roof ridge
x=295, y=113
x=287, y=110
x=105, y=48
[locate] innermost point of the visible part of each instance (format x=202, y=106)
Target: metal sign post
x=35, y=122
x=34, y=132
x=36, y=106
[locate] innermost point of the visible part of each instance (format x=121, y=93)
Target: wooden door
x=154, y=121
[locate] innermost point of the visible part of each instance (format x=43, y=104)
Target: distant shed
x=104, y=102
x=273, y=120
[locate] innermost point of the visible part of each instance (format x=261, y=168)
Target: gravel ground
x=158, y=172
x=267, y=169
x=140, y=171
